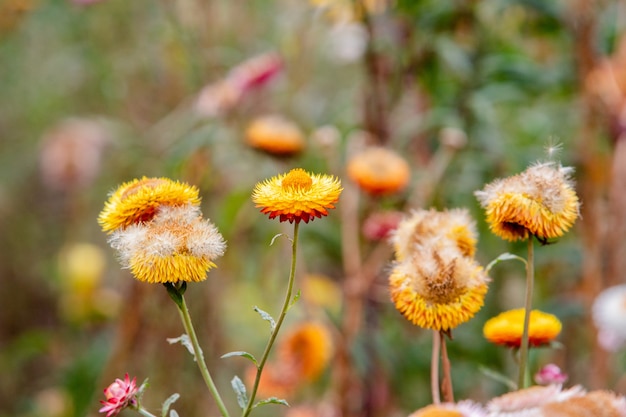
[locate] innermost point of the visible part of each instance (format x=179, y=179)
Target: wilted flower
x=176, y=245
x=275, y=135
x=379, y=170
x=528, y=402
x=540, y=201
x=466, y=408
x=550, y=374
x=307, y=349
x=594, y=403
x=297, y=195
x=137, y=201
x=119, y=395
x=609, y=315
x=507, y=328
x=436, y=283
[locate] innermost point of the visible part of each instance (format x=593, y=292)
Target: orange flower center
x=298, y=179
x=147, y=182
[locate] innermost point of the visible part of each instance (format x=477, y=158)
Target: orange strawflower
x=297, y=195
x=307, y=349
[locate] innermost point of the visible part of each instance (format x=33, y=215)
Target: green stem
x=523, y=358
x=434, y=368
x=281, y=318
x=186, y=318
x=144, y=412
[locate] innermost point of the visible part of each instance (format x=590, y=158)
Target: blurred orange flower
x=378, y=170
x=507, y=328
x=275, y=135
x=307, y=348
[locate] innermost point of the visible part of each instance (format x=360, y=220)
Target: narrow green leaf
x=240, y=390
x=168, y=403
x=294, y=300
x=275, y=237
x=497, y=376
x=272, y=400
x=240, y=353
x=267, y=317
x=173, y=413
x=504, y=257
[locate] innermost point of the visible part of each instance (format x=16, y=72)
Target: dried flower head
x=540, y=201
x=437, y=291
x=609, y=314
x=436, y=283
x=431, y=228
x=275, y=135
x=595, y=403
x=307, y=349
x=137, y=201
x=464, y=408
x=528, y=402
x=297, y=195
x=378, y=170
x=506, y=328
x=119, y=395
x=176, y=245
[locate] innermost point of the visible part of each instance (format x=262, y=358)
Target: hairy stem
x=279, y=322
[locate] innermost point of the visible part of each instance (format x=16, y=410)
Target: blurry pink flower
x=256, y=71
x=379, y=226
x=550, y=374
x=119, y=395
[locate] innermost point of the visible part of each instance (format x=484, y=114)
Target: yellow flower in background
x=307, y=349
x=436, y=290
x=137, y=201
x=176, y=245
x=507, y=328
x=379, y=171
x=540, y=201
x=297, y=195
x=275, y=135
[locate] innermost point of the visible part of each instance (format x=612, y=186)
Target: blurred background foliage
x=95, y=93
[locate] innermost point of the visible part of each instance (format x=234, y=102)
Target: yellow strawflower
x=507, y=327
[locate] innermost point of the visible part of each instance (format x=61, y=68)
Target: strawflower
x=507, y=327
x=119, y=395
x=176, y=245
x=377, y=170
x=540, y=201
x=297, y=195
x=137, y=201
x=436, y=283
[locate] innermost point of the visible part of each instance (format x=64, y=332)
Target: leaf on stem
x=240, y=390
x=503, y=257
x=240, y=353
x=271, y=400
x=497, y=376
x=294, y=300
x=168, y=403
x=267, y=317
x=186, y=342
x=176, y=292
